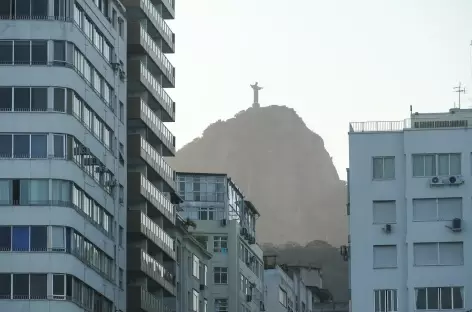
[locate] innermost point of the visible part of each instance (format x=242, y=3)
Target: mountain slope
x=282, y=167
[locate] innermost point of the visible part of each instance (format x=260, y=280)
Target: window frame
x=439, y=302
x=195, y=266
x=436, y=165
x=220, y=272
x=437, y=218
x=382, y=177
x=388, y=294
x=438, y=252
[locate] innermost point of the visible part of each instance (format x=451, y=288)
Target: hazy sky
x=333, y=61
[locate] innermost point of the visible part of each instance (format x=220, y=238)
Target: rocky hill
x=282, y=167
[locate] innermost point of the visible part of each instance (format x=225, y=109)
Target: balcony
x=153, y=159
x=138, y=222
x=151, y=194
x=140, y=42
x=158, y=127
x=168, y=9
x=139, y=260
x=140, y=299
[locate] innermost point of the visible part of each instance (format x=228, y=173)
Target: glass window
x=220, y=275
x=195, y=301
x=5, y=286
x=38, y=192
x=39, y=8
x=5, y=238
x=61, y=194
x=22, y=52
x=58, y=286
x=7, y=98
x=383, y=168
x=23, y=8
x=39, y=146
x=39, y=52
x=57, y=238
x=221, y=305
x=22, y=99
x=39, y=99
x=59, y=146
x=21, y=146
x=385, y=300
x=6, y=52
x=59, y=52
x=59, y=8
x=38, y=286
x=20, y=240
x=20, y=286
x=59, y=99
x=39, y=238
x=5, y=146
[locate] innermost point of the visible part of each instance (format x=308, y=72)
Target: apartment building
x=63, y=178
x=226, y=224
x=152, y=194
x=193, y=261
x=409, y=207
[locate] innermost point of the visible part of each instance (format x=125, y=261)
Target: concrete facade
x=225, y=224
x=62, y=143
x=409, y=211
x=152, y=266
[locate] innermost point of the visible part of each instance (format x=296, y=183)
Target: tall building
x=193, y=261
x=226, y=224
x=62, y=172
x=409, y=207
x=151, y=194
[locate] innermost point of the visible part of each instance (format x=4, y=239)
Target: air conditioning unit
x=436, y=181
x=456, y=225
x=224, y=222
x=387, y=228
x=454, y=180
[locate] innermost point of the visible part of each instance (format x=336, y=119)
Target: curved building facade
x=62, y=155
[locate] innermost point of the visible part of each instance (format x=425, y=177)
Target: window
x=5, y=286
x=120, y=278
x=439, y=298
x=6, y=146
x=59, y=99
x=206, y=213
x=6, y=94
x=196, y=267
x=448, y=253
x=59, y=8
x=220, y=275
x=59, y=146
x=385, y=256
x=384, y=212
x=221, y=305
x=5, y=238
x=120, y=236
x=22, y=99
x=440, y=209
x=384, y=168
x=39, y=146
x=20, y=238
x=39, y=52
x=195, y=301
x=38, y=238
x=58, y=239
x=38, y=286
x=39, y=99
x=385, y=300
x=61, y=192
x=59, y=286
x=220, y=244
x=205, y=305
x=6, y=52
x=20, y=286
x=21, y=146
x=428, y=165
x=282, y=297
x=22, y=52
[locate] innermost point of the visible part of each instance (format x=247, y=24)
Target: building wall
x=56, y=73
x=405, y=277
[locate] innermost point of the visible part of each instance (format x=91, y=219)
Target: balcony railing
x=379, y=126
x=149, y=302
x=158, y=199
x=157, y=55
x=157, y=126
x=157, y=90
x=157, y=234
x=158, y=21
x=157, y=162
x=154, y=269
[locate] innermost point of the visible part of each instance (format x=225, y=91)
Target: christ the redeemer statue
x=255, y=87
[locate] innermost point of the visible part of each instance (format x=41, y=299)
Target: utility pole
x=459, y=89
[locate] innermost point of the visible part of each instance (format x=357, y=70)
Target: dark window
x=38, y=286
x=21, y=146
x=16, y=192
x=20, y=239
x=113, y=18
x=69, y=286
x=39, y=52
x=5, y=9
x=22, y=52
x=39, y=8
x=39, y=99
x=59, y=52
x=39, y=146
x=20, y=286
x=59, y=146
x=5, y=145
x=22, y=99
x=7, y=98
x=59, y=8
x=5, y=238
x=59, y=100
x=23, y=8
x=6, y=52
x=58, y=287
x=5, y=286
x=39, y=238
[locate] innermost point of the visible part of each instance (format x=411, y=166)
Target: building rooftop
x=455, y=118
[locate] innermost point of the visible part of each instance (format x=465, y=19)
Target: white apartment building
x=409, y=207
x=226, y=224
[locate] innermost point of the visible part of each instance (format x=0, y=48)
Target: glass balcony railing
x=156, y=233
x=157, y=271
x=159, y=22
x=160, y=94
x=152, y=303
x=158, y=163
x=157, y=126
x=158, y=199
x=162, y=62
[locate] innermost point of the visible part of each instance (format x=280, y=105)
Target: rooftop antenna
x=459, y=89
